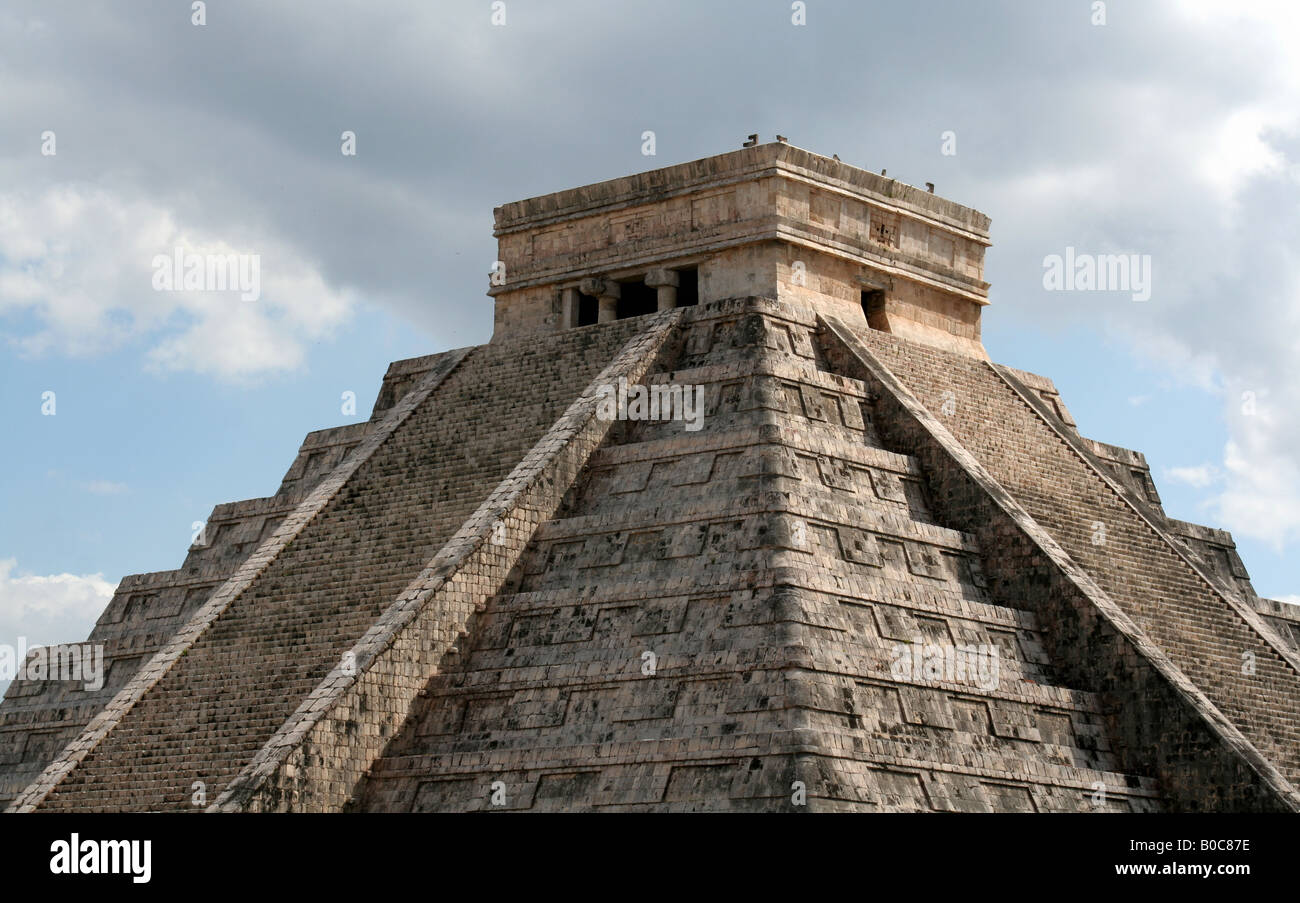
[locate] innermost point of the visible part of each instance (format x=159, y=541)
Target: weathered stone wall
x=40, y=717
x=770, y=561
x=1169, y=723
x=1284, y=617
x=744, y=219
x=318, y=756
x=411, y=483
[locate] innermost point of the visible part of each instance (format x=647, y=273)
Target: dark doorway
x=636, y=299
x=588, y=309
x=873, y=308
x=688, y=287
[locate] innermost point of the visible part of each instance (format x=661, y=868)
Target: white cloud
x=1237, y=152
x=1198, y=477
x=57, y=608
x=1202, y=171
x=1261, y=489
x=79, y=260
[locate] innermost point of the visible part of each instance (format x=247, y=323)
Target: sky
x=1169, y=129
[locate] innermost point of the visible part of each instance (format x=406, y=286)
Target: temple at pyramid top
x=770, y=220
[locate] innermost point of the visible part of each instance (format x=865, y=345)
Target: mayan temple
x=733, y=512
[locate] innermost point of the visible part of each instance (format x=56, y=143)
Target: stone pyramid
x=732, y=513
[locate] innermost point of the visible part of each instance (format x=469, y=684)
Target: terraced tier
x=334, y=571
x=1220, y=643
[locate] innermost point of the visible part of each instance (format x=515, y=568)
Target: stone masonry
x=849, y=564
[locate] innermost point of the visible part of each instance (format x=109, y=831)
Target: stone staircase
x=713, y=619
x=1212, y=636
x=40, y=717
x=247, y=670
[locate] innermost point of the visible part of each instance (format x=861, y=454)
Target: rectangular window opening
x=588, y=309
x=636, y=299
x=873, y=308
x=688, y=287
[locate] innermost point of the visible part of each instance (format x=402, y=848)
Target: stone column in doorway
x=664, y=282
